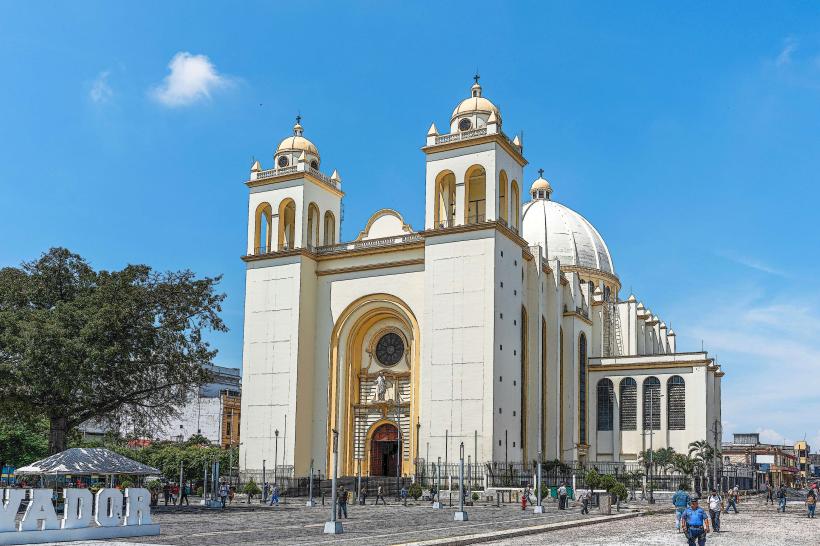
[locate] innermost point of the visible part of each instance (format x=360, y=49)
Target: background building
x=776, y=464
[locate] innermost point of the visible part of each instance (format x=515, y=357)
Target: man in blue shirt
x=695, y=524
x=681, y=501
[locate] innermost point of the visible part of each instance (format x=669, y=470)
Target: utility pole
x=461, y=515
x=276, y=456
x=716, y=455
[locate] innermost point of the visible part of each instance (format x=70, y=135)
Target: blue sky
x=688, y=134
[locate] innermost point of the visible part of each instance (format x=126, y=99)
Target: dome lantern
x=474, y=112
x=541, y=188
x=296, y=149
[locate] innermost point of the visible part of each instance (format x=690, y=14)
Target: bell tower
x=474, y=172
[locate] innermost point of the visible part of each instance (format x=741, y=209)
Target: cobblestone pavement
x=297, y=524
x=755, y=524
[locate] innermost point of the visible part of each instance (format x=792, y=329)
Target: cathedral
x=499, y=324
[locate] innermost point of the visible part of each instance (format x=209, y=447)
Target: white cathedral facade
x=499, y=324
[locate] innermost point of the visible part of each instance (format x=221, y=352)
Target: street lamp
x=437, y=499
x=461, y=515
x=276, y=456
x=334, y=527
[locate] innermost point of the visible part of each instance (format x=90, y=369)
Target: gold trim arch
x=347, y=342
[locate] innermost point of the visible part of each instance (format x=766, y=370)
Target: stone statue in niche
x=381, y=387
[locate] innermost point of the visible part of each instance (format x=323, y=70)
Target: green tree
x=78, y=344
x=23, y=439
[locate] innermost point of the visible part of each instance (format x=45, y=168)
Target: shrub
x=199, y=491
x=126, y=483
x=593, y=480
x=414, y=491
x=154, y=485
x=476, y=496
x=251, y=488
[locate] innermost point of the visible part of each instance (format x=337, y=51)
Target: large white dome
x=564, y=234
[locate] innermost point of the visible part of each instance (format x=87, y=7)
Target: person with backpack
x=811, y=502
x=341, y=499
x=734, y=495
x=715, y=504
x=184, y=491
x=274, y=495
x=781, y=499
x=562, y=497
x=681, y=501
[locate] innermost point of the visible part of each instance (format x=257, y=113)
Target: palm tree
x=684, y=464
x=703, y=454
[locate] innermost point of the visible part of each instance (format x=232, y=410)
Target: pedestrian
x=734, y=496
x=403, y=495
x=681, y=501
x=341, y=499
x=265, y=489
x=380, y=495
x=586, y=497
x=166, y=493
x=769, y=493
x=274, y=495
x=781, y=498
x=363, y=496
x=715, y=503
x=695, y=524
x=524, y=494
x=562, y=497
x=223, y=494
x=184, y=491
x=811, y=502
x=433, y=494
x=174, y=494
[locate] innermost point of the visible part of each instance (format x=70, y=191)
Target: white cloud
x=100, y=91
x=785, y=56
x=770, y=436
x=193, y=78
x=753, y=263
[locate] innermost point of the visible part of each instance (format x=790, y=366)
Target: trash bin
x=605, y=504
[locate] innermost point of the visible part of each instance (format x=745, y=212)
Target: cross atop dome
x=476, y=88
x=541, y=188
x=297, y=128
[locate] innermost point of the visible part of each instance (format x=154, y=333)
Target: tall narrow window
x=582, y=388
x=444, y=211
x=515, y=205
x=524, y=379
x=287, y=224
x=262, y=235
x=606, y=404
x=676, y=403
x=543, y=385
x=651, y=404
x=628, y=404
x=502, y=196
x=476, y=181
x=330, y=229
x=313, y=225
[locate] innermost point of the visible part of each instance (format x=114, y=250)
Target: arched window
x=262, y=230
x=582, y=388
x=287, y=224
x=476, y=182
x=515, y=204
x=313, y=225
x=651, y=404
x=330, y=229
x=543, y=385
x=525, y=380
x=606, y=404
x=561, y=392
x=676, y=403
x=502, y=196
x=628, y=404
x=444, y=211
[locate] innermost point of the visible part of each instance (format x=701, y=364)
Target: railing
x=369, y=243
x=465, y=135
x=273, y=173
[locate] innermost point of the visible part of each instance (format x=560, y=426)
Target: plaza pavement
x=755, y=524
x=392, y=524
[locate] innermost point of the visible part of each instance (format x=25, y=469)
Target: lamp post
x=276, y=456
x=334, y=527
x=310, y=501
x=461, y=515
x=264, y=479
x=539, y=508
x=437, y=499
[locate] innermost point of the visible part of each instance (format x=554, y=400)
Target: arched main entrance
x=384, y=450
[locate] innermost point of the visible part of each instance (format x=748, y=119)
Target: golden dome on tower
x=475, y=104
x=297, y=142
